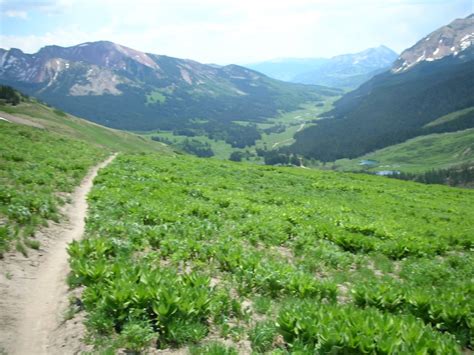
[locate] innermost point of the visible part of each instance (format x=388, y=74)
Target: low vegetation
x=206, y=253
x=35, y=168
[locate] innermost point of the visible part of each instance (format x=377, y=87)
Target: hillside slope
x=395, y=106
x=420, y=154
x=220, y=257
x=57, y=121
x=263, y=259
x=44, y=154
x=38, y=168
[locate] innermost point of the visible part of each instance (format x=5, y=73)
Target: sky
x=227, y=31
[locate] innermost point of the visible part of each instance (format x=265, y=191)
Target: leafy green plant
x=329, y=328
x=5, y=238
x=20, y=247
x=182, y=332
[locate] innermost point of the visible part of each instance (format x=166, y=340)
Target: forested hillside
x=392, y=108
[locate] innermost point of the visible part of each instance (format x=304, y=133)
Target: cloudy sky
x=227, y=31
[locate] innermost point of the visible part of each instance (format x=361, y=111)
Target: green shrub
x=331, y=328
x=262, y=336
x=136, y=336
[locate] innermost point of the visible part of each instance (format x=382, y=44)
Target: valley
x=273, y=133
x=401, y=103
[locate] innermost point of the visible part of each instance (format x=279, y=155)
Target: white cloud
x=225, y=31
x=16, y=14
x=45, y=6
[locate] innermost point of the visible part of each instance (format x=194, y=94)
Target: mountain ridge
x=127, y=89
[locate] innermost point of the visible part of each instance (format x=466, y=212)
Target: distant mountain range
x=124, y=88
x=342, y=71
x=433, y=78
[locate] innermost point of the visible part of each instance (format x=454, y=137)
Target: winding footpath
x=33, y=291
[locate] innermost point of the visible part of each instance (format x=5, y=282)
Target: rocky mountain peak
x=102, y=53
x=447, y=40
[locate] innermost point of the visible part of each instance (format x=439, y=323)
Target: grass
x=328, y=262
x=449, y=117
x=308, y=112
x=293, y=122
x=154, y=97
x=434, y=151
x=277, y=140
x=212, y=348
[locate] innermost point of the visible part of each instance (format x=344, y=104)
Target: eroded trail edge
x=33, y=290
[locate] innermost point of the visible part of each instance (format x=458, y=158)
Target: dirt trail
x=33, y=291
x=281, y=142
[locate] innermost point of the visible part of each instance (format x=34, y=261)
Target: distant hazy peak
x=380, y=56
x=448, y=40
